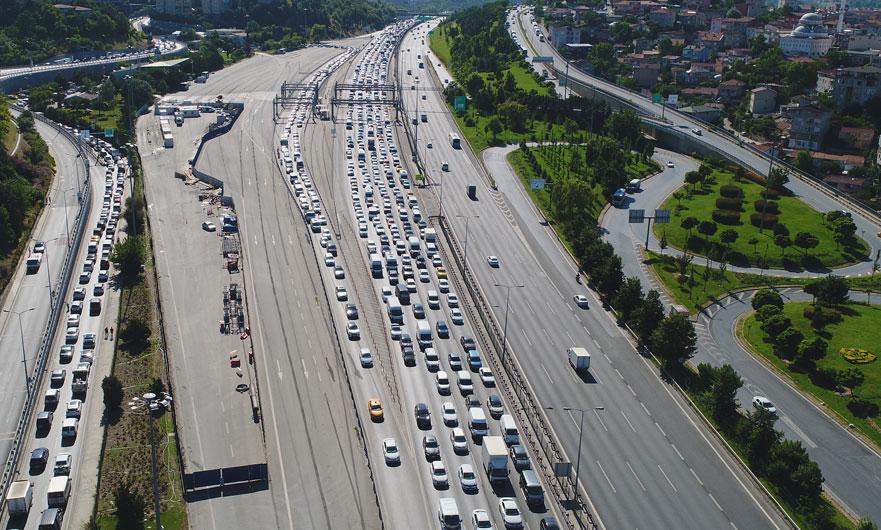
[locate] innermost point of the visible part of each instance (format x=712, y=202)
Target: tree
x=813, y=349
x=766, y=311
x=753, y=241
x=728, y=237
x=692, y=178
x=851, y=377
x=866, y=524
x=140, y=92
x=129, y=255
x=778, y=178
x=648, y=316
x=829, y=291
x=688, y=223
x=723, y=393
x=806, y=241
x=765, y=297
x=112, y=388
x=317, y=32
x=514, y=114
x=783, y=242
x=628, y=298
x=674, y=340
x=759, y=436
x=804, y=162
x=130, y=507
x=844, y=229
x=608, y=276
x=624, y=126
x=494, y=126
x=792, y=470
x=787, y=342
x=776, y=324
x=707, y=228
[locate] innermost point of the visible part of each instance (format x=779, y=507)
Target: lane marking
x=645, y=409
x=715, y=502
x=597, y=414
x=546, y=373
x=641, y=485
x=668, y=479
x=525, y=336
x=305, y=371
x=699, y=481
x=658, y=425
x=607, y=477
x=632, y=428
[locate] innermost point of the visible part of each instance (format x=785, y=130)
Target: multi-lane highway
x=646, y=458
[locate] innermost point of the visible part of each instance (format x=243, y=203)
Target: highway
x=398, y=385
x=28, y=294
x=647, y=457
x=867, y=226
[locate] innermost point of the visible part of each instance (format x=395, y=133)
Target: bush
x=726, y=203
x=769, y=218
x=763, y=206
x=770, y=194
x=726, y=217
x=825, y=378
x=732, y=192
x=820, y=315
x=862, y=408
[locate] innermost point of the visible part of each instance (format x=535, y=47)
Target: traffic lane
x=850, y=468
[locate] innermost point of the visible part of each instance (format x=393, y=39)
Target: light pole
x=24, y=359
x=580, y=437
x=467, y=218
x=48, y=267
x=66, y=222
x=416, y=133
x=508, y=288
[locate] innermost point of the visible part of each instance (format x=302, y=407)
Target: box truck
x=495, y=459
x=20, y=497
x=579, y=359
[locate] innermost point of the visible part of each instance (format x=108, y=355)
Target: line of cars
x=65, y=398
x=405, y=252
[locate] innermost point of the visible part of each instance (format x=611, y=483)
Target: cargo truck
x=58, y=492
x=20, y=497
x=579, y=359
x=495, y=459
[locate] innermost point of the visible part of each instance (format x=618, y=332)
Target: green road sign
x=459, y=103
x=108, y=132
x=657, y=98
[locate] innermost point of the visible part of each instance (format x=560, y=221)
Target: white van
x=509, y=430
x=466, y=385
x=69, y=427
x=433, y=299
x=448, y=514
x=432, y=362
x=477, y=422
x=423, y=334
x=395, y=313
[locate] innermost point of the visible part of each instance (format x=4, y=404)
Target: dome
x=810, y=19
x=810, y=26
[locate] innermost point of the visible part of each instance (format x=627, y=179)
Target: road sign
x=662, y=216
x=459, y=103
x=657, y=98
x=562, y=469
x=543, y=59
x=537, y=184
x=564, y=81
x=673, y=99
x=637, y=216
x=108, y=132
x=85, y=134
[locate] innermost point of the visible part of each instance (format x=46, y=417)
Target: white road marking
x=699, y=481
x=668, y=479
x=607, y=357
x=632, y=428
x=658, y=425
x=586, y=330
x=305, y=371
x=526, y=336
x=641, y=485
x=571, y=340
x=644, y=408
x=800, y=433
x=278, y=365
x=546, y=373
x=715, y=502
x=619, y=374
x=630, y=388
x=597, y=414
x=607, y=477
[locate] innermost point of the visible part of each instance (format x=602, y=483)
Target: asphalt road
x=27, y=291
x=405, y=491
x=810, y=193
x=318, y=474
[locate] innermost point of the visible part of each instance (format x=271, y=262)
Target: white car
x=456, y=316
x=763, y=403
x=452, y=300
x=339, y=273
x=467, y=478
x=580, y=301
x=424, y=277
x=493, y=261
x=366, y=358
x=670, y=163
x=74, y=408
x=63, y=462
x=353, y=331
x=487, y=377
x=449, y=414
x=443, y=285
x=480, y=520
x=341, y=294
x=208, y=226
x=439, y=477
x=460, y=443
x=328, y=259
x=390, y=451
x=510, y=512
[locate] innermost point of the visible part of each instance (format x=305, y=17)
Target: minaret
x=841, y=16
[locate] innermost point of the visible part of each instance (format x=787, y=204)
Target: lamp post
x=508, y=288
x=24, y=360
x=48, y=267
x=467, y=218
x=580, y=437
x=66, y=221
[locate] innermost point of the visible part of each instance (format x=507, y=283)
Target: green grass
x=9, y=138
x=706, y=287
x=796, y=215
x=526, y=79
x=860, y=328
x=440, y=44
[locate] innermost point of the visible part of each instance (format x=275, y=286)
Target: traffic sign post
x=459, y=103
x=662, y=216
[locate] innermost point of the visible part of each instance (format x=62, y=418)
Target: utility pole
x=24, y=359
x=467, y=219
x=508, y=288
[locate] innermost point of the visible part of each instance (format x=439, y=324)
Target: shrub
x=726, y=217
x=862, y=408
x=726, y=203
x=769, y=218
x=762, y=205
x=825, y=378
x=820, y=315
x=770, y=194
x=856, y=355
x=732, y=192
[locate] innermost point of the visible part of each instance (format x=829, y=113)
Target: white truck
x=80, y=382
x=20, y=497
x=579, y=359
x=58, y=492
x=495, y=458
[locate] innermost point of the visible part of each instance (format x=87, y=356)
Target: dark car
x=520, y=457
x=423, y=416
x=44, y=421
x=443, y=331
x=39, y=458
x=496, y=408
x=420, y=262
x=467, y=343
x=548, y=523
x=351, y=311
x=418, y=311
x=406, y=340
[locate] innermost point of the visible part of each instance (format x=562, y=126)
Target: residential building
x=703, y=112
x=708, y=39
x=77, y=10
x=808, y=125
x=734, y=29
x=855, y=84
x=174, y=7
x=216, y=7
x=663, y=17
x=809, y=37
x=859, y=138
x=562, y=35
x=731, y=89
x=692, y=76
x=762, y=100
x=646, y=75
x=845, y=183
x=860, y=40
x=697, y=53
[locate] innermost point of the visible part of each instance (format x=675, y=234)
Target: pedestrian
x=105, y=332
x=111, y=332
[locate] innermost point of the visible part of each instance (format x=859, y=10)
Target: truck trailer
x=495, y=458
x=20, y=497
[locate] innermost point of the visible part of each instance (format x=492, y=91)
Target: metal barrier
x=56, y=297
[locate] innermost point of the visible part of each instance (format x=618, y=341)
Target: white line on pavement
x=668, y=479
x=632, y=428
x=607, y=477
x=641, y=485
x=546, y=373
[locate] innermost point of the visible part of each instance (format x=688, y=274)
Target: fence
x=57, y=297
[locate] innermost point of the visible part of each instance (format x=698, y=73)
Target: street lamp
x=66, y=222
x=580, y=437
x=467, y=218
x=24, y=360
x=508, y=288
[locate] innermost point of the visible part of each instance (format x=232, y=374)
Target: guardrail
x=56, y=297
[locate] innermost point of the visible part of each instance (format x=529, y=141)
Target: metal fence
x=57, y=298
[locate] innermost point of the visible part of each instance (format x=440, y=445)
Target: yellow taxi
x=441, y=273
x=375, y=408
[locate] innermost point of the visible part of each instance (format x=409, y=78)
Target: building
x=237, y=37
x=762, y=100
x=646, y=75
x=697, y=53
x=76, y=10
x=216, y=7
x=734, y=29
x=845, y=183
x=663, y=16
x=808, y=125
x=174, y=7
x=711, y=40
x=860, y=40
x=859, y=138
x=703, y=112
x=808, y=38
x=563, y=35
x=855, y=84
x=731, y=89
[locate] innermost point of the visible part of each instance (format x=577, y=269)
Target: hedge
x=756, y=219
x=770, y=194
x=732, y=192
x=764, y=206
x=729, y=203
x=726, y=217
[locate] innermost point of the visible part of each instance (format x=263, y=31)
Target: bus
x=455, y=141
